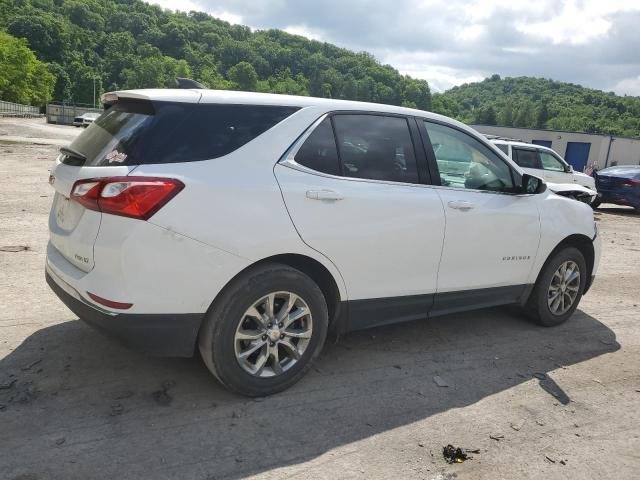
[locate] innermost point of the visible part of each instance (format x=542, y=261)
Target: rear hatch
x=102, y=150
x=136, y=131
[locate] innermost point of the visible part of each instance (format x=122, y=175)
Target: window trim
x=516, y=177
x=424, y=174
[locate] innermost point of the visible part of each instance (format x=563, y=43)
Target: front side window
x=319, y=151
x=549, y=162
x=464, y=162
x=526, y=158
x=376, y=147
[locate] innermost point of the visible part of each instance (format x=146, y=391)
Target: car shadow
x=74, y=401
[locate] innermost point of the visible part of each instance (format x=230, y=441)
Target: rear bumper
x=165, y=335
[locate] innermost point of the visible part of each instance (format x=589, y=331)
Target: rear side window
x=526, y=158
x=319, y=151
x=135, y=133
x=376, y=147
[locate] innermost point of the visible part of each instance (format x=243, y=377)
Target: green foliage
x=131, y=44
x=243, y=76
x=23, y=78
x=541, y=103
x=118, y=44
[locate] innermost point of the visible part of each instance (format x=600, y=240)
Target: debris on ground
x=124, y=394
x=8, y=384
x=162, y=396
x=439, y=381
x=497, y=438
x=517, y=426
x=457, y=455
x=31, y=365
x=60, y=441
x=116, y=409
x=14, y=248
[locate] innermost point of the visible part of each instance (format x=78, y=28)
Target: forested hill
x=121, y=44
x=541, y=103
x=131, y=44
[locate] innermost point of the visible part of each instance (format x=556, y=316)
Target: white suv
x=543, y=162
x=249, y=225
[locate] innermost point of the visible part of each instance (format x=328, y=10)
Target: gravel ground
x=538, y=403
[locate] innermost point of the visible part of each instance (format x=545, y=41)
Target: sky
x=594, y=43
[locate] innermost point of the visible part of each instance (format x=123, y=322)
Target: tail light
x=135, y=197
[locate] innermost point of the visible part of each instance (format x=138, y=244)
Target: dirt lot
x=538, y=403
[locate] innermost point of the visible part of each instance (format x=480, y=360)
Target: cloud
x=594, y=43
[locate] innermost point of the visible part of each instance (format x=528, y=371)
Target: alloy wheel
x=273, y=334
x=564, y=287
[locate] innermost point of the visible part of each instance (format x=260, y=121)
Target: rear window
x=135, y=133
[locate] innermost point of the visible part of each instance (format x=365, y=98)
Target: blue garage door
x=544, y=143
x=577, y=155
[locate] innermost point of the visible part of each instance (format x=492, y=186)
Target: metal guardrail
x=63, y=114
x=10, y=109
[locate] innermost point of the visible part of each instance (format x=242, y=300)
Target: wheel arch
x=311, y=267
x=582, y=243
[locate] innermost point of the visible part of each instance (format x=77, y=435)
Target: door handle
x=461, y=205
x=326, y=195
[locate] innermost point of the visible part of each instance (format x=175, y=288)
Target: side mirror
x=568, y=169
x=532, y=185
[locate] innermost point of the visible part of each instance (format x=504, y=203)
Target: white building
x=579, y=149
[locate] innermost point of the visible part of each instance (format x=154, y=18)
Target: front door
x=492, y=234
x=360, y=203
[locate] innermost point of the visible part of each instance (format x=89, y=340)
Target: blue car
x=619, y=185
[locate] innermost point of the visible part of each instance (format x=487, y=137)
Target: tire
x=596, y=203
x=538, y=307
x=218, y=340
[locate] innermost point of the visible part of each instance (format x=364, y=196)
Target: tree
x=542, y=115
x=244, y=76
x=506, y=115
x=23, y=78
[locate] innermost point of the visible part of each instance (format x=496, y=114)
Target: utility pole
x=94, y=91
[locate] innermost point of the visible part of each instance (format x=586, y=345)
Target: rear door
x=360, y=202
x=492, y=234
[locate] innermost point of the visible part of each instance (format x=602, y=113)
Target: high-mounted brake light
x=109, y=98
x=134, y=197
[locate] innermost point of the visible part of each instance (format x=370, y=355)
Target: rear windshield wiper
x=72, y=156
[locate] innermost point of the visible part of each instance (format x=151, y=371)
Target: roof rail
x=188, y=83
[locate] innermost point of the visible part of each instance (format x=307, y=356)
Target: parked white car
x=247, y=225
x=544, y=162
x=85, y=119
